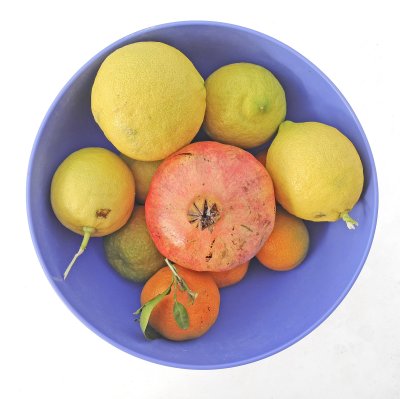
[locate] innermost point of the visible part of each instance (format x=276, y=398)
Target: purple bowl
x=268, y=311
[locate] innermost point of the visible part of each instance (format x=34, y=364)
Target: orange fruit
x=203, y=312
x=262, y=157
x=287, y=246
x=230, y=277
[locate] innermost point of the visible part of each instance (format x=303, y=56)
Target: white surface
x=46, y=352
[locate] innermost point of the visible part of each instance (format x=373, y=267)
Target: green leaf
x=181, y=316
x=139, y=310
x=151, y=333
x=147, y=308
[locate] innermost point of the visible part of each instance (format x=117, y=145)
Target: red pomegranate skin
x=210, y=206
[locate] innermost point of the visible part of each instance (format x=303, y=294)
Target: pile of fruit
x=203, y=209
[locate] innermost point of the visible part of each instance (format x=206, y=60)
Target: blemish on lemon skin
x=102, y=213
x=319, y=215
x=131, y=132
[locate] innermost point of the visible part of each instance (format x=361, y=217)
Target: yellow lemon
x=143, y=172
x=149, y=100
x=316, y=170
x=92, y=194
x=245, y=105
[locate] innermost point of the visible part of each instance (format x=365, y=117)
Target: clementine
x=202, y=312
x=287, y=246
x=231, y=276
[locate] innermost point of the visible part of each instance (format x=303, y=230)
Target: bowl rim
x=244, y=360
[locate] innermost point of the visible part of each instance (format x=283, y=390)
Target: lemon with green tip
x=245, y=105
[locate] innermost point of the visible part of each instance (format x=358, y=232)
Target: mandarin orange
x=287, y=246
x=203, y=312
x=230, y=277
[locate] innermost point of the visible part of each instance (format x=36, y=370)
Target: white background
x=46, y=352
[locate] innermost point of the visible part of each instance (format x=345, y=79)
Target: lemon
x=92, y=193
x=142, y=172
x=245, y=105
x=316, y=170
x=149, y=100
x=131, y=251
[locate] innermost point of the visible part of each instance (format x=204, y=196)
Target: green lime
x=131, y=251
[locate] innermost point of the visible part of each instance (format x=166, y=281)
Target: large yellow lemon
x=316, y=170
x=149, y=100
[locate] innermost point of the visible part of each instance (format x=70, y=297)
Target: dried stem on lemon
x=350, y=222
x=93, y=188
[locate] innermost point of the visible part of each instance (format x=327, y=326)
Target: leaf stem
x=87, y=232
x=175, y=288
x=181, y=281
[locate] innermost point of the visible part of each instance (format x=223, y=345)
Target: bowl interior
x=268, y=310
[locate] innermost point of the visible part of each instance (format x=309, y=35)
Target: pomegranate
x=210, y=206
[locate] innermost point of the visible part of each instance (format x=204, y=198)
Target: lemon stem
x=350, y=222
x=87, y=231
